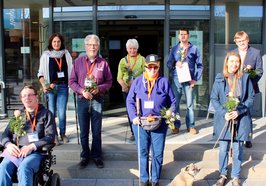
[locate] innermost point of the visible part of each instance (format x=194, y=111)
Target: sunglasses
x=152, y=67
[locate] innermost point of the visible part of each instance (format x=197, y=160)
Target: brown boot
x=175, y=131
x=192, y=131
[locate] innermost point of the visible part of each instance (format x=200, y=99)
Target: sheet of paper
x=14, y=159
x=183, y=73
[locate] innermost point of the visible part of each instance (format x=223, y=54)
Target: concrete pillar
x=231, y=21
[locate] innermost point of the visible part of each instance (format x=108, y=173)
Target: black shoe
x=98, y=163
x=132, y=138
x=248, y=144
x=155, y=183
x=144, y=183
x=83, y=163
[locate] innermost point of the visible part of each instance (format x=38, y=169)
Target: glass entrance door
x=114, y=35
x=199, y=36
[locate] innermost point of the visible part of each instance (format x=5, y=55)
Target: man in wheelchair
x=23, y=155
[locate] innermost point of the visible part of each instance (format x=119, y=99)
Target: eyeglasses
x=152, y=67
x=28, y=95
x=241, y=41
x=91, y=45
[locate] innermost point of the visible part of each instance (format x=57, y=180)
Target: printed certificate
x=183, y=73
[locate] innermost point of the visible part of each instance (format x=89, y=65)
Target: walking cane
x=232, y=138
x=138, y=114
x=75, y=105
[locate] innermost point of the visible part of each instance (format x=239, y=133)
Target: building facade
x=27, y=24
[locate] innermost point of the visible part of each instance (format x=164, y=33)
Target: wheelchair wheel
x=55, y=180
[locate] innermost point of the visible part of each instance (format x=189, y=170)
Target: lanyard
x=33, y=123
x=89, y=70
x=232, y=86
x=59, y=63
x=150, y=82
x=128, y=63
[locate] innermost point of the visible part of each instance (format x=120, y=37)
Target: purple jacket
x=101, y=73
x=162, y=95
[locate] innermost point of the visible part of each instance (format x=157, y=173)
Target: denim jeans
x=224, y=147
x=58, y=101
x=188, y=91
x=129, y=122
x=25, y=172
x=156, y=141
x=90, y=114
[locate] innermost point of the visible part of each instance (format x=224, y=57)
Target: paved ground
x=116, y=131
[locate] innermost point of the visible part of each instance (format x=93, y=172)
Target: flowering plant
x=231, y=103
x=91, y=84
x=181, y=52
x=170, y=117
x=16, y=124
x=150, y=118
x=252, y=72
x=51, y=87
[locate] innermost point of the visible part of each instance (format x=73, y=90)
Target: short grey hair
x=133, y=43
x=91, y=36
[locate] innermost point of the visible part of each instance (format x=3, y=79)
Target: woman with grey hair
x=129, y=68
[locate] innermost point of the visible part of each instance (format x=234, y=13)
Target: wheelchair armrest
x=48, y=147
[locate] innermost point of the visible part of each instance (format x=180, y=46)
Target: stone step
x=173, y=152
x=163, y=182
x=129, y=170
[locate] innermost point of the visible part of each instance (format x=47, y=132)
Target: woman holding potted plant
x=232, y=97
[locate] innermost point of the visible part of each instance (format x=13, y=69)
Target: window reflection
x=231, y=17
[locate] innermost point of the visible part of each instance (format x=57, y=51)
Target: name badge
x=88, y=83
x=60, y=74
x=148, y=104
x=32, y=137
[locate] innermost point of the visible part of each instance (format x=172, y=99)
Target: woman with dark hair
x=54, y=71
x=232, y=122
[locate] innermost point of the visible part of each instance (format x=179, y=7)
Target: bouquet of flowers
x=170, y=117
x=16, y=124
x=231, y=103
x=181, y=52
x=252, y=72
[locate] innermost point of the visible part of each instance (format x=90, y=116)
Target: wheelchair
x=45, y=176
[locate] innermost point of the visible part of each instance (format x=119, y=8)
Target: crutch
x=75, y=105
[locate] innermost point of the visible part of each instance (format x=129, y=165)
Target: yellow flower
x=150, y=118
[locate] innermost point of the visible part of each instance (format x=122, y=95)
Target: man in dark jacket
x=250, y=59
x=22, y=152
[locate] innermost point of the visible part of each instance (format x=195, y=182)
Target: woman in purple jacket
x=154, y=93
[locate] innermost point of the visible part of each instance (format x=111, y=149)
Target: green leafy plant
x=231, y=104
x=51, y=87
x=181, y=52
x=91, y=86
x=17, y=124
x=169, y=116
x=252, y=72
